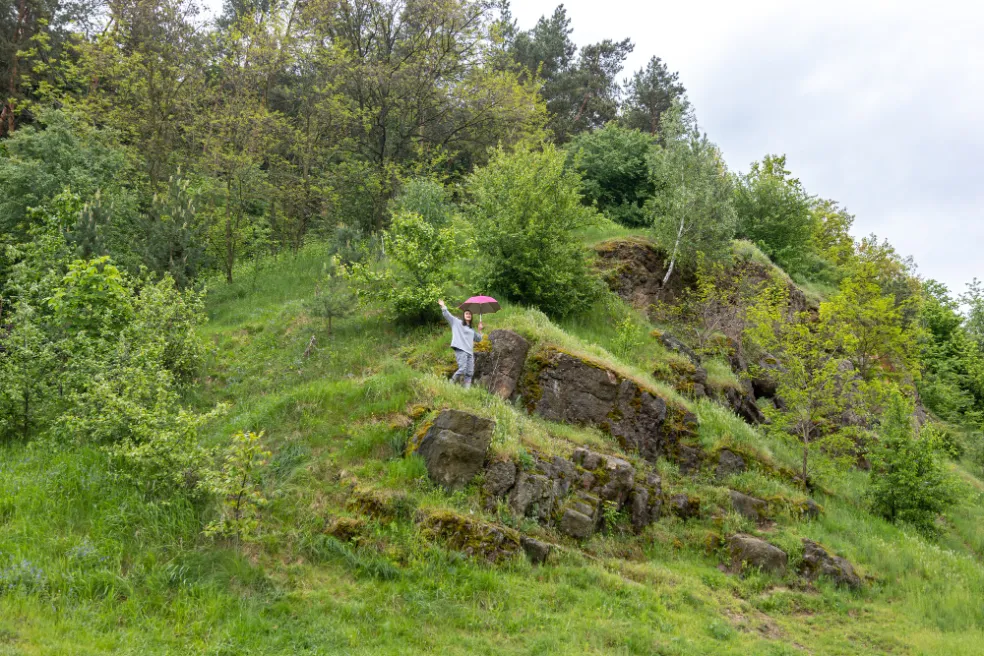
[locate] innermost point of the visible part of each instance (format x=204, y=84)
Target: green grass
x=89, y=565
x=604, y=228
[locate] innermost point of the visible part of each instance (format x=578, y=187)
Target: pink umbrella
x=480, y=304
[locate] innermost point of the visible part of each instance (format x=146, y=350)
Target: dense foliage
x=526, y=208
x=774, y=212
x=614, y=165
x=691, y=207
x=909, y=483
x=364, y=158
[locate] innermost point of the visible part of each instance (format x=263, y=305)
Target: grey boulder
x=748, y=551
x=454, y=447
x=500, y=368
x=818, y=562
x=748, y=507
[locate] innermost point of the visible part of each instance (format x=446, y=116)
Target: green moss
x=383, y=505
x=615, y=415
x=676, y=422
x=418, y=411
x=418, y=436
x=346, y=529
x=529, y=384
x=473, y=537
x=611, y=245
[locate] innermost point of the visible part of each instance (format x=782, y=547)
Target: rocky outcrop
x=818, y=562
x=729, y=463
x=684, y=506
x=580, y=515
x=454, y=447
x=572, y=494
x=500, y=476
x=500, y=367
x=534, y=495
x=763, y=376
x=810, y=509
x=645, y=502
x=472, y=537
x=536, y=551
x=742, y=403
x=561, y=387
x=689, y=458
x=634, y=269
x=747, y=506
x=687, y=378
x=677, y=346
x=747, y=551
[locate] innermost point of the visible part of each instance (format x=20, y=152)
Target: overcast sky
x=879, y=105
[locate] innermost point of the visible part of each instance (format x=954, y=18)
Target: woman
x=463, y=338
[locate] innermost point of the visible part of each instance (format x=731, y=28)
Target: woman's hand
x=481, y=326
x=440, y=302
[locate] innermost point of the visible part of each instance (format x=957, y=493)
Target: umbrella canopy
x=480, y=304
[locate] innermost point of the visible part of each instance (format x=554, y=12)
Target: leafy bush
x=909, y=483
x=97, y=356
x=237, y=484
x=613, y=163
x=416, y=273
x=428, y=198
x=38, y=164
x=526, y=207
x=775, y=212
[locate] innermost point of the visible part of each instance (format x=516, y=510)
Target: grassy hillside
x=88, y=565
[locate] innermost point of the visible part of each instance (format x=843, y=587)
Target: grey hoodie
x=463, y=338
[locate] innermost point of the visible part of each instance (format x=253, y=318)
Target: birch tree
x=691, y=210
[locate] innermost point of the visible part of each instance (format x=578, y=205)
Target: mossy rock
x=561, y=386
x=382, y=505
x=418, y=435
x=419, y=411
x=473, y=537
x=346, y=529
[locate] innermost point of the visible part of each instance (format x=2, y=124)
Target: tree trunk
x=27, y=414
x=7, y=115
x=806, y=450
x=230, y=247
x=676, y=249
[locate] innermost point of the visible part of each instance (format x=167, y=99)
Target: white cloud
x=876, y=104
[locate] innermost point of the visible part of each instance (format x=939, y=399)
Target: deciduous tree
x=691, y=210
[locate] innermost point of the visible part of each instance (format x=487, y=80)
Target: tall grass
x=90, y=565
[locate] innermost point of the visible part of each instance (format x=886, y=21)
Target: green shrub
x=613, y=163
x=526, y=208
x=428, y=198
x=775, y=212
x=97, y=356
x=415, y=274
x=237, y=484
x=908, y=482
x=37, y=164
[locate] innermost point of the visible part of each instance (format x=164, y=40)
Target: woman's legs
x=462, y=358
x=466, y=367
x=469, y=369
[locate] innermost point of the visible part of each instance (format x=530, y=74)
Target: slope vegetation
x=360, y=551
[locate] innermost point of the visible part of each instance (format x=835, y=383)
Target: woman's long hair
x=467, y=322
